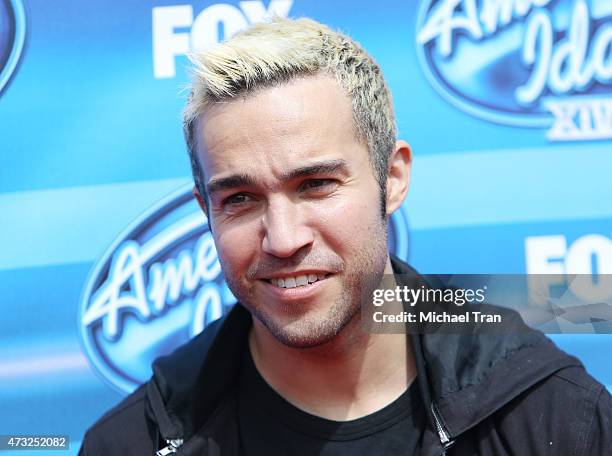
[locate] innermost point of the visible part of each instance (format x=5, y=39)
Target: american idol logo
x=533, y=63
x=12, y=38
x=158, y=285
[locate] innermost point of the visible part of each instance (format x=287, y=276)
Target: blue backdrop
x=105, y=263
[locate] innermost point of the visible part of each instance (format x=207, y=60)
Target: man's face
x=294, y=207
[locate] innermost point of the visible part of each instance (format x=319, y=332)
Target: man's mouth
x=296, y=281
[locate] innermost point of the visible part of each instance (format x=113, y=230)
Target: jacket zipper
x=445, y=439
x=173, y=445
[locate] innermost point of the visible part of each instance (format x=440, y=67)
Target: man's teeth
x=299, y=281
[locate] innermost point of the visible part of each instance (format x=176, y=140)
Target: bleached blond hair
x=270, y=53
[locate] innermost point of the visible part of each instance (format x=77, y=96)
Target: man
x=291, y=134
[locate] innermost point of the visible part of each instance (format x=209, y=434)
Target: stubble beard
x=359, y=280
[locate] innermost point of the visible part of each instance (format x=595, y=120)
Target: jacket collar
x=188, y=385
x=464, y=378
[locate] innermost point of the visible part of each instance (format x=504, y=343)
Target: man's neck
x=355, y=374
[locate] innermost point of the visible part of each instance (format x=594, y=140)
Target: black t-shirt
x=269, y=425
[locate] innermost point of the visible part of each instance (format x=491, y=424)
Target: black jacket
x=513, y=394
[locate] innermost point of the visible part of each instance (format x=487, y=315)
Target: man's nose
x=285, y=232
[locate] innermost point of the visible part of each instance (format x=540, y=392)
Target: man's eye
x=317, y=184
x=238, y=198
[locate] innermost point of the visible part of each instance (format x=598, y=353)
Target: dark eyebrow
x=229, y=182
x=245, y=180
x=326, y=167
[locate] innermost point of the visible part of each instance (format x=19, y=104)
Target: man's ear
x=398, y=175
x=200, y=200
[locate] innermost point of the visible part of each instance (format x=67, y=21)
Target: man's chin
x=302, y=341
x=306, y=332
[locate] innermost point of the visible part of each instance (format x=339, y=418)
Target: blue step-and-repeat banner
x=105, y=259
